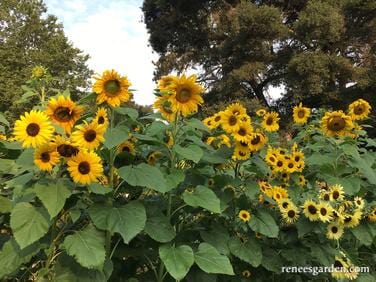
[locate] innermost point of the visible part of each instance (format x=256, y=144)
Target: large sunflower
x=243, y=134
x=64, y=112
x=291, y=214
x=33, y=129
x=88, y=135
x=85, y=167
x=101, y=117
x=336, y=124
x=46, y=157
x=301, y=114
x=270, y=121
x=64, y=147
x=310, y=210
x=359, y=109
x=112, y=88
x=163, y=105
x=186, y=95
x=231, y=122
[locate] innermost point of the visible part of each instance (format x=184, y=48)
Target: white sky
x=113, y=34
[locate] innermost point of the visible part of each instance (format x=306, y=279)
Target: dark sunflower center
x=243, y=144
x=242, y=132
x=90, y=135
x=256, y=140
x=358, y=202
x=269, y=121
x=63, y=114
x=279, y=163
x=217, y=118
x=272, y=159
x=291, y=213
x=297, y=158
x=338, y=264
x=336, y=124
x=242, y=154
x=184, y=95
x=290, y=165
x=301, y=114
x=101, y=120
x=66, y=150
x=32, y=129
x=335, y=195
x=312, y=209
x=84, y=167
x=278, y=196
x=126, y=149
x=244, y=215
x=323, y=211
x=348, y=219
x=326, y=197
x=45, y=157
x=232, y=120
x=285, y=205
x=334, y=229
x=112, y=87
x=358, y=110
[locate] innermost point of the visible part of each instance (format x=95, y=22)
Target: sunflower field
x=91, y=191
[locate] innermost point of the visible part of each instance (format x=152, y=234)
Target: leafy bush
x=96, y=194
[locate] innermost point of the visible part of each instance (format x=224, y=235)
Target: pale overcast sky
x=113, y=34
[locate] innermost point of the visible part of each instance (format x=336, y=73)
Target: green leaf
x=191, y=152
x=87, y=247
x=12, y=257
x=160, y=229
x=178, y=260
x=365, y=168
x=196, y=123
x=53, y=196
x=304, y=227
x=132, y=113
x=262, y=222
x=249, y=251
x=128, y=220
x=28, y=223
x=203, y=197
x=211, y=261
x=5, y=205
x=217, y=238
x=97, y=188
x=115, y=136
x=3, y=120
x=174, y=179
x=319, y=159
x=323, y=253
x=364, y=233
x=26, y=159
x=144, y=175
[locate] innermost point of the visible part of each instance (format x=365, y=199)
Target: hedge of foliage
x=90, y=191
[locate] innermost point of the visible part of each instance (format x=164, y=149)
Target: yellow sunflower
x=209, y=122
x=64, y=147
x=371, y=216
x=285, y=204
x=271, y=156
x=167, y=82
x=244, y=215
x=217, y=119
x=325, y=211
x=224, y=140
x=243, y=134
x=291, y=214
x=3, y=137
x=334, y=231
x=153, y=157
x=246, y=273
x=270, y=121
x=241, y=154
x=64, y=112
x=101, y=117
x=352, y=220
x=163, y=105
x=236, y=109
x=336, y=124
x=337, y=193
x=257, y=141
x=279, y=165
x=301, y=114
x=46, y=157
x=359, y=109
x=359, y=203
x=231, y=122
x=127, y=146
x=186, y=95
x=339, y=270
x=112, y=88
x=310, y=210
x=302, y=181
x=33, y=129
x=279, y=193
x=85, y=167
x=88, y=135
x=261, y=112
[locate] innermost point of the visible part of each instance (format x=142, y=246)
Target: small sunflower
x=285, y=204
x=64, y=147
x=3, y=137
x=64, y=112
x=290, y=165
x=231, y=122
x=352, y=220
x=236, y=109
x=325, y=211
x=310, y=210
x=302, y=181
x=336, y=192
x=334, y=231
x=209, y=122
x=246, y=273
x=211, y=182
x=325, y=195
x=164, y=106
x=359, y=203
x=85, y=167
x=244, y=215
x=339, y=270
x=241, y=154
x=46, y=157
x=243, y=133
x=101, y=117
x=257, y=141
x=88, y=135
x=167, y=82
x=371, y=216
x=279, y=165
x=153, y=157
x=33, y=129
x=359, y=109
x=224, y=140
x=301, y=114
x=186, y=95
x=271, y=156
x=261, y=112
x=291, y=214
x=128, y=147
x=279, y=193
x=336, y=124
x=217, y=119
x=270, y=121
x=112, y=88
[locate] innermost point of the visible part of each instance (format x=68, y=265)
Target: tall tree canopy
x=30, y=37
x=322, y=52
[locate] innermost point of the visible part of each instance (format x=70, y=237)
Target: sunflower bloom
x=85, y=167
x=33, y=129
x=128, y=147
x=88, y=135
x=334, y=231
x=186, y=95
x=46, y=157
x=101, y=117
x=336, y=124
x=270, y=122
x=64, y=147
x=64, y=112
x=301, y=114
x=244, y=215
x=164, y=106
x=359, y=109
x=112, y=88
x=236, y=109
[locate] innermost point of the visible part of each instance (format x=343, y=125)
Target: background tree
x=321, y=52
x=29, y=37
